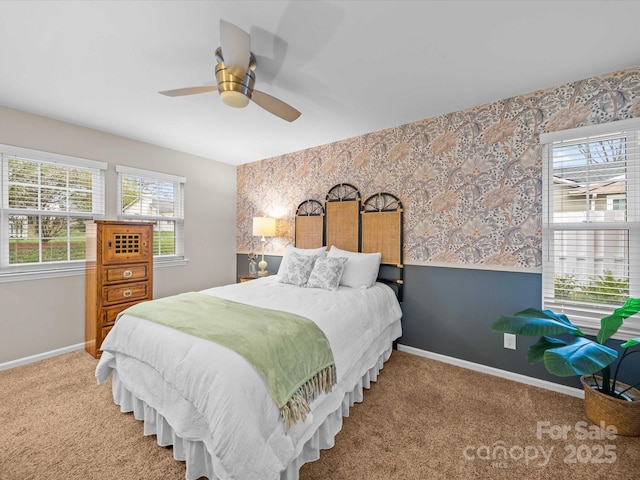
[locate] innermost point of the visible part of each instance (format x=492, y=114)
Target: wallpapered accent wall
x=470, y=181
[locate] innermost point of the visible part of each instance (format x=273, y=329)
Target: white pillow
x=320, y=252
x=298, y=269
x=327, y=273
x=361, y=269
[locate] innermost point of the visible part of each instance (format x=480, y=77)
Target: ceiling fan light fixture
x=234, y=99
x=234, y=91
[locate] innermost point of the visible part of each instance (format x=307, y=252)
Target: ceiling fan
x=235, y=76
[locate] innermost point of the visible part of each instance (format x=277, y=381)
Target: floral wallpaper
x=470, y=181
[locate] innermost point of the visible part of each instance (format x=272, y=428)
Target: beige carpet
x=421, y=420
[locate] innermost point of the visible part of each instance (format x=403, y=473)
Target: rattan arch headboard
x=373, y=226
x=342, y=207
x=382, y=231
x=309, y=225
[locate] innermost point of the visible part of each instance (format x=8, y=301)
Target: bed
x=214, y=407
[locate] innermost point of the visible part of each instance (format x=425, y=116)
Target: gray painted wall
x=242, y=264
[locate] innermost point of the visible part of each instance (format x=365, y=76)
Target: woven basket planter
x=623, y=414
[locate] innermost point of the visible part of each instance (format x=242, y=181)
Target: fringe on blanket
x=297, y=406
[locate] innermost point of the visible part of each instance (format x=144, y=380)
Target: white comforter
x=211, y=394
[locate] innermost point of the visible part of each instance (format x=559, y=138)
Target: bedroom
x=221, y=198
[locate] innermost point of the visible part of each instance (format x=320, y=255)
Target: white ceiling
x=350, y=67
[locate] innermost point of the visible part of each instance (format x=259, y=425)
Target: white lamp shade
x=264, y=226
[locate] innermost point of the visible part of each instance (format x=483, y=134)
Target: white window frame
x=33, y=271
x=178, y=257
x=587, y=316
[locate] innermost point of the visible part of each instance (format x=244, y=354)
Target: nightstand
x=248, y=278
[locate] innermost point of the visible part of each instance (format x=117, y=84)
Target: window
x=154, y=197
x=591, y=222
x=46, y=200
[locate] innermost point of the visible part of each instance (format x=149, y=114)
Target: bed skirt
x=197, y=458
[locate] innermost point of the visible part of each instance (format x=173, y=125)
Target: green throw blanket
x=290, y=351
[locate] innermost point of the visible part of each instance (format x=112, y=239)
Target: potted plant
x=606, y=398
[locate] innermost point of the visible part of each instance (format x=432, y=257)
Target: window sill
x=41, y=274
x=629, y=329
x=173, y=262
x=75, y=271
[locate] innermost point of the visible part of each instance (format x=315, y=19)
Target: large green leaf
x=610, y=324
x=560, y=317
x=536, y=351
x=580, y=357
x=631, y=342
x=535, y=323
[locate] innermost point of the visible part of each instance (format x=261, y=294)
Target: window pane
x=24, y=243
x=22, y=171
x=164, y=239
x=585, y=175
x=164, y=200
x=130, y=193
x=80, y=200
x=78, y=238
x=53, y=199
x=51, y=228
x=80, y=178
x=80, y=190
x=63, y=238
x=53, y=175
x=18, y=226
x=592, y=265
x=23, y=196
x=147, y=197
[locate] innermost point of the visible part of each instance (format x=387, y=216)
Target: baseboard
x=40, y=356
x=536, y=382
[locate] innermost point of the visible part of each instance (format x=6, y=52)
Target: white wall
x=38, y=316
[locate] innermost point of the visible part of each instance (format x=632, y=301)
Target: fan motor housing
x=234, y=91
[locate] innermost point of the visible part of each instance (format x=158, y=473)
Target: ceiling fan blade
x=235, y=44
x=275, y=106
x=189, y=91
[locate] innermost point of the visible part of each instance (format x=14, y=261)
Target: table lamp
x=263, y=227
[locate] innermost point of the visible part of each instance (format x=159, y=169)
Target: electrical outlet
x=510, y=341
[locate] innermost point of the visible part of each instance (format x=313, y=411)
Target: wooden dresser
x=119, y=274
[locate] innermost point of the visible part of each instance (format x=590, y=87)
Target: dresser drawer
x=125, y=293
x=103, y=333
x=109, y=314
x=129, y=273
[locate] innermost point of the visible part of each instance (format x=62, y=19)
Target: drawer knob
x=126, y=293
x=127, y=273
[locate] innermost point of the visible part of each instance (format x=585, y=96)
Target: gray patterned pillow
x=298, y=269
x=326, y=273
